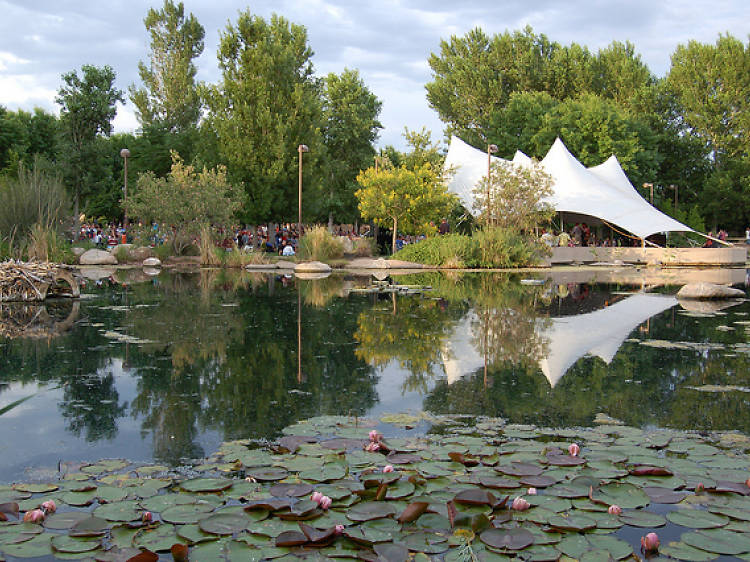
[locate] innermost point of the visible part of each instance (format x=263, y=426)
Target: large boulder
x=78, y=251
x=152, y=262
x=705, y=291
x=312, y=267
x=283, y=264
x=97, y=257
x=120, y=248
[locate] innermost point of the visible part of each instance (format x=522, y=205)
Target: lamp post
x=300, y=149
x=650, y=186
x=491, y=149
x=125, y=153
x=676, y=189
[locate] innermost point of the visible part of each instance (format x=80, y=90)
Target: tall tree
x=170, y=96
x=87, y=109
x=350, y=127
x=267, y=103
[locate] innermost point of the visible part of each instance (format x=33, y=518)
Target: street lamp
x=301, y=148
x=125, y=153
x=676, y=189
x=491, y=149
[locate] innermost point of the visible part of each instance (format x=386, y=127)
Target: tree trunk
x=395, y=226
x=330, y=222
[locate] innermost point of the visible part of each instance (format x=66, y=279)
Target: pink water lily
x=614, y=510
x=146, y=517
x=316, y=497
x=49, y=506
x=520, y=504
x=375, y=435
x=339, y=529
x=574, y=449
x=388, y=468
x=699, y=487
x=34, y=516
x=650, y=543
x=531, y=492
x=325, y=502
x=373, y=446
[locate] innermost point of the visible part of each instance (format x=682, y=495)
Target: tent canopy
x=602, y=191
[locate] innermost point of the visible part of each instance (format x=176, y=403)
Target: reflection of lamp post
x=125, y=153
x=650, y=186
x=301, y=148
x=491, y=149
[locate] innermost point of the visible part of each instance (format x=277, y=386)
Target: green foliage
x=170, y=97
x=185, y=200
x=87, y=108
x=350, y=127
x=487, y=248
x=44, y=243
x=266, y=104
x=34, y=197
x=319, y=245
x=455, y=250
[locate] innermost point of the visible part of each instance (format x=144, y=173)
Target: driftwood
x=32, y=320
x=35, y=281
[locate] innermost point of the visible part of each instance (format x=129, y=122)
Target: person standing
x=444, y=227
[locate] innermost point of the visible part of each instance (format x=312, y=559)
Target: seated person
x=288, y=250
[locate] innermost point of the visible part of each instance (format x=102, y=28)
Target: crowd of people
x=582, y=235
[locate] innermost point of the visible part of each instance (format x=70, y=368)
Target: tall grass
x=207, y=248
x=319, y=245
x=45, y=244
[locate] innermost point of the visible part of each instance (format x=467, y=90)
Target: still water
x=166, y=368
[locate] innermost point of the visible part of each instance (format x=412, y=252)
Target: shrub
x=208, y=251
x=319, y=245
x=364, y=247
x=163, y=252
x=121, y=254
x=454, y=250
x=504, y=248
x=44, y=244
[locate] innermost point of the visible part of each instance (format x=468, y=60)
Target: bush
x=454, y=250
x=319, y=245
x=44, y=244
x=163, y=252
x=489, y=248
x=364, y=247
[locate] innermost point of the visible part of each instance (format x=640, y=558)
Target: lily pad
x=682, y=551
x=188, y=513
x=120, y=511
x=39, y=545
x=697, y=519
x=718, y=541
x=644, y=519
x=65, y=520
x=158, y=538
x=292, y=490
x=198, y=485
x=623, y=494
x=224, y=523
x=368, y=511
x=63, y=543
x=509, y=539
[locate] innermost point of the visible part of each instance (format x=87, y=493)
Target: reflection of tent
x=603, y=191
x=599, y=333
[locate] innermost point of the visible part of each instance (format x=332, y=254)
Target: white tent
x=603, y=191
x=599, y=333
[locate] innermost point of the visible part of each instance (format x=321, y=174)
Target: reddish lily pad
x=475, y=497
x=291, y=538
x=507, y=539
x=291, y=490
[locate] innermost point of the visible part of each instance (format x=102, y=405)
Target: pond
x=166, y=368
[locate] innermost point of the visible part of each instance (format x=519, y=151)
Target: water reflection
x=166, y=367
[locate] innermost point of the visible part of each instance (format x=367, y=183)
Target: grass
x=319, y=245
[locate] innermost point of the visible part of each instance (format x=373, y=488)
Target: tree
x=170, y=97
x=350, y=127
x=516, y=197
x=267, y=103
x=185, y=200
x=87, y=109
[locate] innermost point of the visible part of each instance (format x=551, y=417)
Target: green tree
x=266, y=104
x=350, y=127
x=170, y=96
x=185, y=200
x=87, y=109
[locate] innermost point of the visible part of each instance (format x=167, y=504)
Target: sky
x=388, y=41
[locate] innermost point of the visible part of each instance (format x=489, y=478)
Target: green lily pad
x=198, y=485
x=427, y=542
x=268, y=474
x=62, y=543
x=158, y=538
x=35, y=488
x=224, y=523
x=367, y=511
x=89, y=527
x=507, y=539
x=189, y=513
x=160, y=503
x=682, y=551
x=106, y=465
x=623, y=494
x=697, y=519
x=617, y=548
x=121, y=511
x=65, y=520
x=38, y=545
x=644, y=519
x=718, y=541
x=572, y=522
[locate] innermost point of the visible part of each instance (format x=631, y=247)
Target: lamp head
x=492, y=148
x=125, y=153
x=302, y=148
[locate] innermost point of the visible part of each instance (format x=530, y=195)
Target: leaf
x=717, y=541
x=697, y=519
x=224, y=523
x=157, y=538
x=198, y=485
x=188, y=513
x=510, y=539
x=413, y=511
x=179, y=552
x=520, y=469
x=291, y=490
x=650, y=471
x=368, y=511
x=144, y=556
x=65, y=520
x=623, y=494
x=291, y=538
x=62, y=543
x=475, y=497
x=89, y=527
x=391, y=552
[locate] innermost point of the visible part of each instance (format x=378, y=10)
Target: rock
x=708, y=307
x=261, y=266
x=312, y=267
x=121, y=248
x=151, y=271
x=97, y=273
x=347, y=244
x=311, y=276
x=708, y=291
x=97, y=257
x=152, y=262
x=78, y=251
x=140, y=253
x=282, y=264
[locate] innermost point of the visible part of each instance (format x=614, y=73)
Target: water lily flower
x=574, y=449
x=650, y=543
x=531, y=491
x=34, y=516
x=520, y=504
x=699, y=488
x=614, y=509
x=388, y=468
x=373, y=446
x=147, y=517
x=339, y=529
x=325, y=502
x=747, y=482
x=49, y=506
x=316, y=497
x=375, y=435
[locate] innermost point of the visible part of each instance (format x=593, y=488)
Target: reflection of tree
x=320, y=292
x=409, y=329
